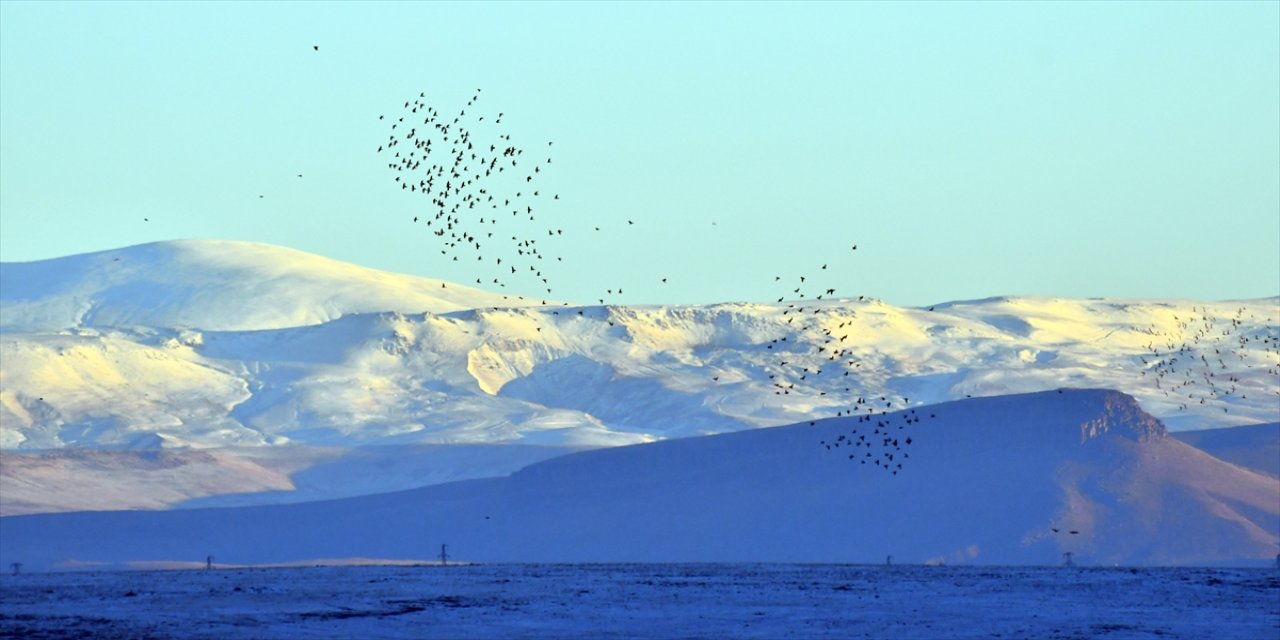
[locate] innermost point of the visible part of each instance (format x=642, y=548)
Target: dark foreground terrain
x=645, y=601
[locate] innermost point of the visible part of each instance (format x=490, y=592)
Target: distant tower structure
x=888, y=560
x=1067, y=560
x=444, y=555
x=17, y=568
x=208, y=563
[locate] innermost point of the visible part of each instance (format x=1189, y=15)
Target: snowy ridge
x=211, y=285
x=601, y=376
x=120, y=350
x=1007, y=480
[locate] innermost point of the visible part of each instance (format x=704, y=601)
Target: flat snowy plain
x=646, y=601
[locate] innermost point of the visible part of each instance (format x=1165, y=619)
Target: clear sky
x=969, y=150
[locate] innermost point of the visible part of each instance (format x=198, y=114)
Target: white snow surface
x=229, y=345
x=664, y=601
x=210, y=344
x=212, y=285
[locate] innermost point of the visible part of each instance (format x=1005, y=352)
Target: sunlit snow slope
x=211, y=285
x=1015, y=479
x=206, y=343
x=210, y=344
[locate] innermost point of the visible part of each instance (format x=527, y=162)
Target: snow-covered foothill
x=1005, y=480
x=230, y=345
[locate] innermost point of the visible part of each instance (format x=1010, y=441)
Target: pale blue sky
x=970, y=150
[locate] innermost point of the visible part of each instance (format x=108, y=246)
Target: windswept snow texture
x=1008, y=480
x=647, y=602
x=218, y=344
x=238, y=346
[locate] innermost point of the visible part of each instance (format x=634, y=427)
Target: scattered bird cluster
x=1202, y=360
x=484, y=192
x=878, y=440
x=486, y=203
x=487, y=197
x=880, y=437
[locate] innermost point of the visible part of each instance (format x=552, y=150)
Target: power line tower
x=444, y=555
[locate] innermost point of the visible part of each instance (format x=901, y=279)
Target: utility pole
x=444, y=555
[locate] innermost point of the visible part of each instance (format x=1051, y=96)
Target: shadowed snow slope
x=986, y=481
x=1255, y=446
x=87, y=479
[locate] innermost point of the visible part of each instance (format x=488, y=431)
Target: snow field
x=647, y=601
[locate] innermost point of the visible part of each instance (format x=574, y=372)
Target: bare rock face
x=1120, y=410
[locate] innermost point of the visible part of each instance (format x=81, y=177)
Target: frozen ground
x=646, y=601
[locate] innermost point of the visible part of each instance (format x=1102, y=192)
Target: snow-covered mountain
x=201, y=344
x=212, y=285
x=1015, y=479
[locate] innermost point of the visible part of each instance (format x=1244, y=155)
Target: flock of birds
x=884, y=444
x=484, y=192
x=1200, y=360
x=485, y=203
x=817, y=344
